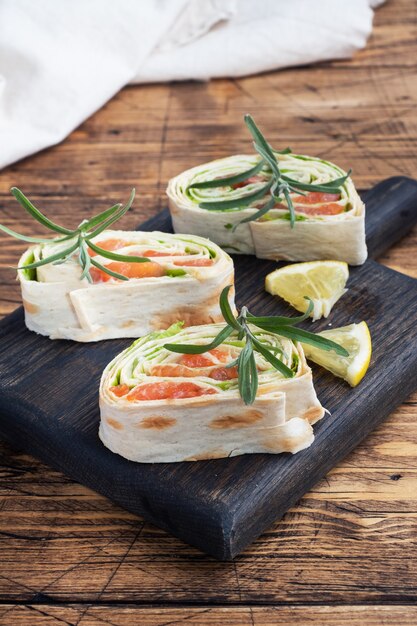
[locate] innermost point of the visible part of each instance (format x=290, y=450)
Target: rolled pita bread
x=159, y=406
x=328, y=226
x=190, y=275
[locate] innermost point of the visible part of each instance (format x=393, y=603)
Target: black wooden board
x=49, y=401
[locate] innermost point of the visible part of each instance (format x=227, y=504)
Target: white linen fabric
x=62, y=60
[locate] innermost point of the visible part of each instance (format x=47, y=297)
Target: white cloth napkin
x=61, y=60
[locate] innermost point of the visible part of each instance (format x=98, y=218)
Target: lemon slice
x=322, y=281
x=356, y=338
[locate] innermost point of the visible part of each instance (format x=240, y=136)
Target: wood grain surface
x=347, y=551
x=220, y=506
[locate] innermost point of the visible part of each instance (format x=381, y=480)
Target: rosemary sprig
x=79, y=239
x=279, y=186
x=246, y=364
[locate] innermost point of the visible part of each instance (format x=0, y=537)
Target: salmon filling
x=194, y=262
x=120, y=390
x=325, y=203
x=188, y=366
x=248, y=181
x=166, y=390
x=325, y=209
x=191, y=365
x=109, y=244
x=151, y=253
x=218, y=373
x=199, y=360
x=224, y=373
x=147, y=269
x=316, y=197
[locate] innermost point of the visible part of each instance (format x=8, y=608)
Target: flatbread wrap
x=181, y=280
x=326, y=220
x=160, y=406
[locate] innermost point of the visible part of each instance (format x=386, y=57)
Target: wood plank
x=361, y=120
x=360, y=519
x=149, y=133
x=51, y=615
x=218, y=519
x=372, y=98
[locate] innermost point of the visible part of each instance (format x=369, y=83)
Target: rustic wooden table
x=346, y=554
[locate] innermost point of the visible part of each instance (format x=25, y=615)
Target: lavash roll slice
x=182, y=281
x=158, y=406
x=328, y=226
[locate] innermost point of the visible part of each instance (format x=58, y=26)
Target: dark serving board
x=49, y=400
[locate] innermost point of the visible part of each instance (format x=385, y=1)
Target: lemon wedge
x=321, y=281
x=356, y=339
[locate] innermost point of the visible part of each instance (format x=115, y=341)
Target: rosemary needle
x=278, y=186
x=79, y=239
x=246, y=364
